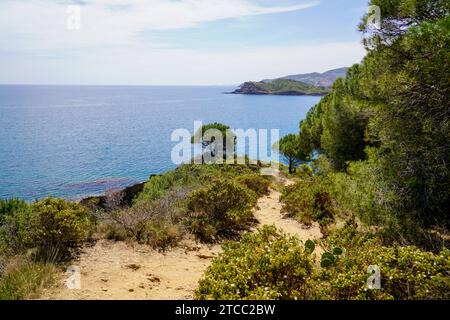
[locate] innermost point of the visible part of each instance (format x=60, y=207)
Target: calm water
x=73, y=141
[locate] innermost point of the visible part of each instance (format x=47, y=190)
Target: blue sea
x=75, y=141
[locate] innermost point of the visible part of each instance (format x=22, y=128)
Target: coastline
x=124, y=196
x=287, y=93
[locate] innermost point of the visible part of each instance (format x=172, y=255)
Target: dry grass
x=23, y=279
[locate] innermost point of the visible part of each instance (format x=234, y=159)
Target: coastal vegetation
x=382, y=132
x=208, y=202
x=219, y=209
x=34, y=239
x=374, y=177
x=289, y=148
x=378, y=149
x=265, y=265
x=272, y=265
x=309, y=200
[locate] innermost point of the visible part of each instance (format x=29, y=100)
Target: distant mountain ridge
x=312, y=84
x=325, y=79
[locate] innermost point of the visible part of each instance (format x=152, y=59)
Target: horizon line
x=116, y=85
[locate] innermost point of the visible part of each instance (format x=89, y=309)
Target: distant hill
x=281, y=87
x=325, y=79
x=312, y=84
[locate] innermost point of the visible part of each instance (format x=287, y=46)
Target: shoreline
x=287, y=93
x=125, y=195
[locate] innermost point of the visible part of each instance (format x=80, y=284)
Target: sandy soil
x=117, y=270
x=269, y=213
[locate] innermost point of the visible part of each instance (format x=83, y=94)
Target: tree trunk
x=291, y=166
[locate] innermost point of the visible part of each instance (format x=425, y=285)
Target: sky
x=174, y=42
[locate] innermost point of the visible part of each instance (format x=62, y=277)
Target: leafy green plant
x=52, y=226
x=190, y=175
x=258, y=184
x=308, y=200
x=406, y=272
x=16, y=229
x=270, y=265
x=59, y=225
x=264, y=265
x=161, y=234
x=329, y=258
x=384, y=127
x=310, y=246
x=220, y=209
x=11, y=206
x=289, y=147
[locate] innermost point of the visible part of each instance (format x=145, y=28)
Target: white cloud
x=41, y=24
x=36, y=47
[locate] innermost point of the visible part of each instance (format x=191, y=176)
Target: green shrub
x=305, y=170
x=270, y=265
x=220, y=209
x=157, y=186
x=157, y=222
x=348, y=236
x=361, y=192
x=190, y=175
x=264, y=265
x=52, y=226
x=406, y=272
x=11, y=206
x=258, y=184
x=161, y=234
x=308, y=200
x=113, y=231
x=25, y=280
x=59, y=225
x=16, y=229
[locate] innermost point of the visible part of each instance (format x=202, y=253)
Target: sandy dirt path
x=117, y=270
x=269, y=213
